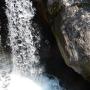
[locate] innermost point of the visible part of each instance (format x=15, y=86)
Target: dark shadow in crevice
x=4, y=26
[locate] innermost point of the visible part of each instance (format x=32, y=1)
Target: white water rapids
x=26, y=73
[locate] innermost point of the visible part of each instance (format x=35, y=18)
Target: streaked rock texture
x=71, y=28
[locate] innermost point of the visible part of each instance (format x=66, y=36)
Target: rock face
x=71, y=28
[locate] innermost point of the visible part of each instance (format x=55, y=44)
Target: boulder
x=71, y=28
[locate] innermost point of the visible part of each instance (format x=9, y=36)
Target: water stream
x=25, y=71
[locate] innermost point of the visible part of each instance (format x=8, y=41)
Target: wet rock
x=71, y=28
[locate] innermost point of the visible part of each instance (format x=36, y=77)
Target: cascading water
x=26, y=69
x=19, y=14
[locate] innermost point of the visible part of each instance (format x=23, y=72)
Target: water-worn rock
x=71, y=28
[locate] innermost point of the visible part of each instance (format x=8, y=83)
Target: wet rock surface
x=71, y=28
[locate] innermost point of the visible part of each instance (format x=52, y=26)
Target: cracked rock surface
x=71, y=27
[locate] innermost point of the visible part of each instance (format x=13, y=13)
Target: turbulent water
x=26, y=73
x=19, y=14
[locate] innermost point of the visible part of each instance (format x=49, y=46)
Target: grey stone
x=71, y=28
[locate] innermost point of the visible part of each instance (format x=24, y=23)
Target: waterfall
x=26, y=72
x=19, y=15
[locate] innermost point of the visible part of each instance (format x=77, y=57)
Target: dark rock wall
x=3, y=22
x=4, y=27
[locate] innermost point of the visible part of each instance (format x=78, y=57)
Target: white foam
x=22, y=83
